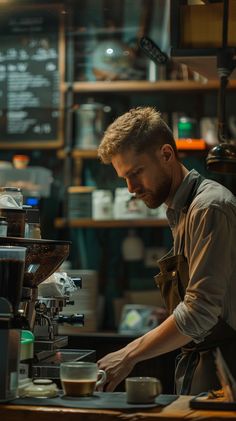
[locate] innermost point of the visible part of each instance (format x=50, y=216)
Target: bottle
x=132, y=247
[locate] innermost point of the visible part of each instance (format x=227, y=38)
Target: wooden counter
x=178, y=410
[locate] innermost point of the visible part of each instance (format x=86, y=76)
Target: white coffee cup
x=142, y=389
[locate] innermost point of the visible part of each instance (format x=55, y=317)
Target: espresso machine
x=50, y=347
x=42, y=315
x=46, y=324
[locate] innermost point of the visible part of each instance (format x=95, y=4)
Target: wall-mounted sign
x=32, y=52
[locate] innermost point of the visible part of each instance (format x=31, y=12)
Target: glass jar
x=20, y=161
x=32, y=226
x=3, y=226
x=13, y=192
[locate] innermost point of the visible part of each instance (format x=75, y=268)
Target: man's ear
x=167, y=152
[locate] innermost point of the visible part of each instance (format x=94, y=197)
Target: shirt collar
x=183, y=192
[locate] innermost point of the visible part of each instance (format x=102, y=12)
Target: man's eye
x=134, y=173
x=137, y=172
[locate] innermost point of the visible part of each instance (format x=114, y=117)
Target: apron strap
x=185, y=209
x=193, y=193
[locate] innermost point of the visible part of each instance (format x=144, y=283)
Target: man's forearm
x=164, y=338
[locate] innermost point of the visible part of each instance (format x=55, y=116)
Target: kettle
x=91, y=119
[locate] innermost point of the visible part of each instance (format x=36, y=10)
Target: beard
x=154, y=199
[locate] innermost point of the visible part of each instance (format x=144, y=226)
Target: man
x=198, y=277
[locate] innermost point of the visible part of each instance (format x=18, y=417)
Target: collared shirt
x=207, y=237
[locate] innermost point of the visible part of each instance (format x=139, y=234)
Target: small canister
x=187, y=128
x=3, y=226
x=102, y=204
x=80, y=202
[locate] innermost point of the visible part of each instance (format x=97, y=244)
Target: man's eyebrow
x=132, y=170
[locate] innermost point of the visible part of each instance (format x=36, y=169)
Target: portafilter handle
x=77, y=282
x=73, y=319
x=70, y=302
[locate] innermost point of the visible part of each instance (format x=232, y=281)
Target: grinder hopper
x=43, y=257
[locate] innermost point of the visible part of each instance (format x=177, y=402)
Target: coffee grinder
x=12, y=261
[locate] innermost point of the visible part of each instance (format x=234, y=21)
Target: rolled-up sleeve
x=208, y=246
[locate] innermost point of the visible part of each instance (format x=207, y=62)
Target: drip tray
x=71, y=355
x=50, y=366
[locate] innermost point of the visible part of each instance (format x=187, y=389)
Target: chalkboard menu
x=31, y=71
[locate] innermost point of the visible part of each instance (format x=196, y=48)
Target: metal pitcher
x=91, y=120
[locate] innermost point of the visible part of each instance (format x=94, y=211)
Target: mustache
x=140, y=193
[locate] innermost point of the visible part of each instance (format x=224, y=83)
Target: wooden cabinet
x=196, y=33
x=73, y=158
x=198, y=97
x=82, y=82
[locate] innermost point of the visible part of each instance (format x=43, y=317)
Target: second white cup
x=142, y=389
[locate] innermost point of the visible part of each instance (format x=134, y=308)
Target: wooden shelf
x=114, y=223
x=183, y=145
x=78, y=153
x=144, y=86
x=191, y=144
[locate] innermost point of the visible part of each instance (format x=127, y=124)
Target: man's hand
x=164, y=338
x=117, y=366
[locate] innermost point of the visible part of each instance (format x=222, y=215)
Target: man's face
x=146, y=175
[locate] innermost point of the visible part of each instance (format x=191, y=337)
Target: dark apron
x=195, y=367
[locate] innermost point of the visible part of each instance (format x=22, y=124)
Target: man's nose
x=130, y=185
